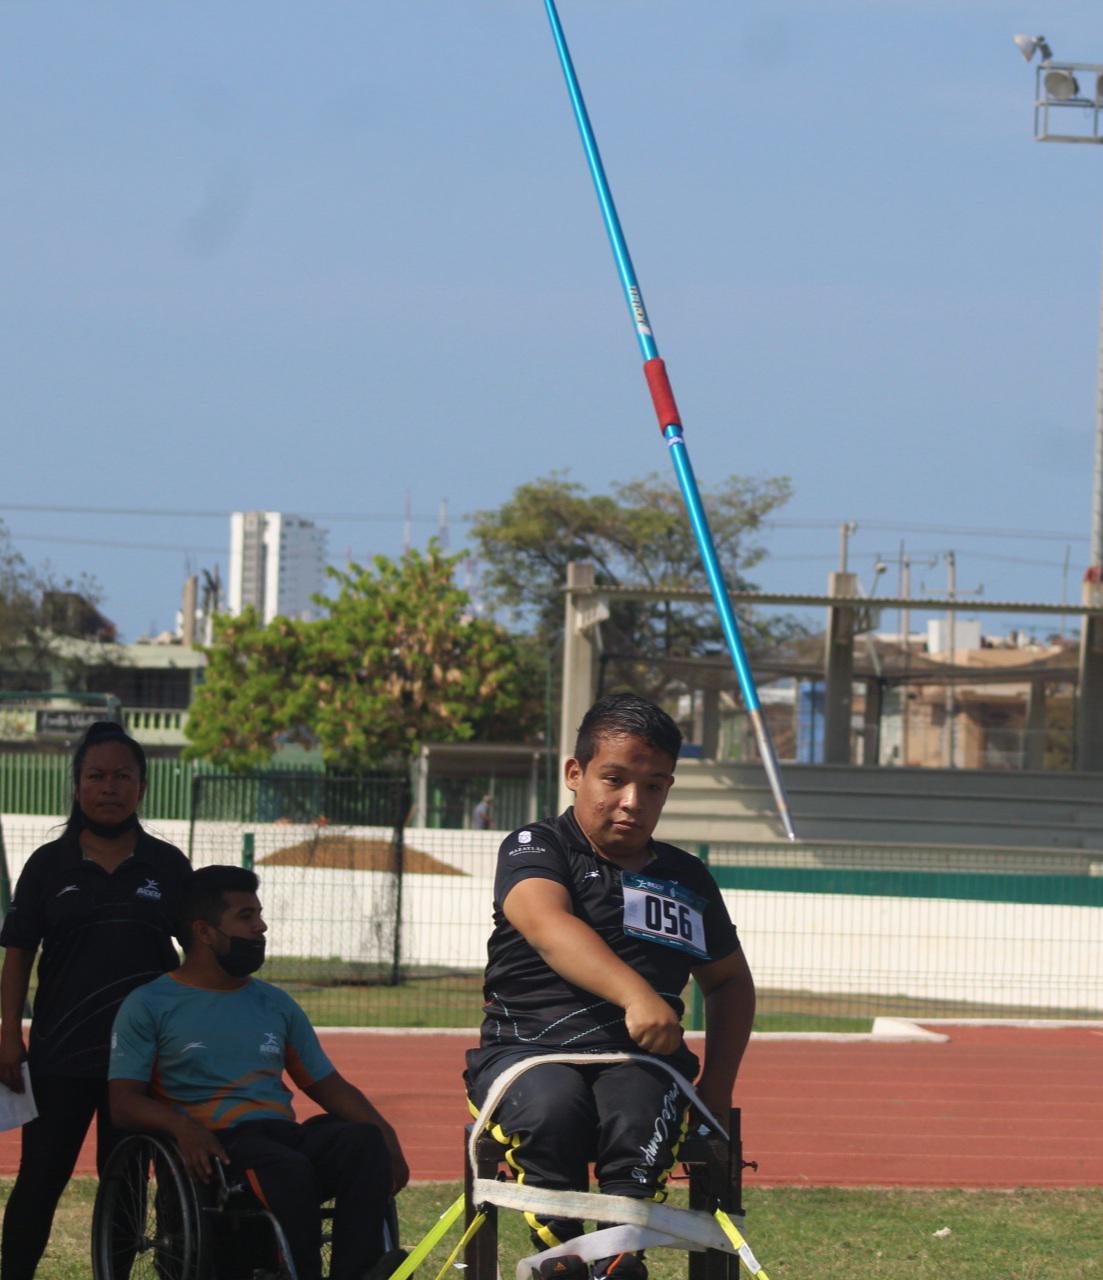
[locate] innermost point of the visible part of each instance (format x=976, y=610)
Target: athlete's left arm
x=336, y=1095
x=729, y=994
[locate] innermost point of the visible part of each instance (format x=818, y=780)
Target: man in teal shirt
x=200, y=1054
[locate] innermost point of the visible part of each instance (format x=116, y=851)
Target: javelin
x=662, y=397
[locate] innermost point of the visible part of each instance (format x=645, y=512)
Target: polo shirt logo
x=151, y=889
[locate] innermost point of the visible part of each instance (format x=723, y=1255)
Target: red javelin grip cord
x=662, y=397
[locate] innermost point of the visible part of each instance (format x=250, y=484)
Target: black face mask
x=245, y=956
x=108, y=830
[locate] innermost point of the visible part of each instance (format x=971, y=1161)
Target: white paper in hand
x=17, y=1108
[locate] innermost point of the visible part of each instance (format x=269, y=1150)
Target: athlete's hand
x=400, y=1170
x=198, y=1147
x=652, y=1023
x=12, y=1054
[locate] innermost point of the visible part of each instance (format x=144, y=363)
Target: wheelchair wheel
x=145, y=1224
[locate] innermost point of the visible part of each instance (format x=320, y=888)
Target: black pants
x=51, y=1144
x=294, y=1167
x=628, y=1117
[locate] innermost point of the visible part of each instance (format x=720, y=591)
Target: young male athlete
x=200, y=1054
x=597, y=929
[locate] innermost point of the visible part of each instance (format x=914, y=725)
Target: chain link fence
x=375, y=923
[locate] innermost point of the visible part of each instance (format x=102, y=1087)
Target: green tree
x=636, y=535
x=36, y=610
x=397, y=660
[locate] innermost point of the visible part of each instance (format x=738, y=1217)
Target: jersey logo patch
x=151, y=889
x=69, y=888
x=271, y=1044
x=592, y=875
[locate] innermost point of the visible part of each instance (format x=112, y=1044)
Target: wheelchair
x=153, y=1221
x=712, y=1157
x=713, y=1167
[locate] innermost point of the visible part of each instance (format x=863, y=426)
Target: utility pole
x=951, y=620
x=905, y=629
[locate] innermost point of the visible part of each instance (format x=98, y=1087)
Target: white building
x=277, y=562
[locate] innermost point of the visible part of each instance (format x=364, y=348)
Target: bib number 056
x=671, y=918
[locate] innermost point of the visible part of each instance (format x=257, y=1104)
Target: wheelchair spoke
x=145, y=1221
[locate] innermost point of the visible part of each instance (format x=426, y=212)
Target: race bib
x=664, y=912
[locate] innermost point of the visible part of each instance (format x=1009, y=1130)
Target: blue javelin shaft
x=662, y=398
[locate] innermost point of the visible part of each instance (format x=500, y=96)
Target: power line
x=119, y=546
x=955, y=531
x=163, y=512
x=779, y=522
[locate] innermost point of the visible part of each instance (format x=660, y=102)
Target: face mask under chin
x=244, y=956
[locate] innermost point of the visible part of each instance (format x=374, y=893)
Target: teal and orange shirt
x=217, y=1056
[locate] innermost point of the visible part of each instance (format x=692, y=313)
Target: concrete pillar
x=707, y=723
x=871, y=723
x=1089, y=694
x=1034, y=740
x=187, y=613
x=534, y=788
x=838, y=670
x=580, y=621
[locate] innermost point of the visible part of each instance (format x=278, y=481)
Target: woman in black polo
x=101, y=903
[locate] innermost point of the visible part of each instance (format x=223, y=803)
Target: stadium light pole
x=1057, y=86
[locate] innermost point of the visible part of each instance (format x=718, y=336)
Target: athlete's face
x=242, y=917
x=110, y=787
x=620, y=794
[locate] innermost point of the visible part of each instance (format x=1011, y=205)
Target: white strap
x=507, y=1077
x=641, y=1223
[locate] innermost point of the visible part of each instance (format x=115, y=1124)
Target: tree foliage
x=36, y=608
x=397, y=660
x=638, y=534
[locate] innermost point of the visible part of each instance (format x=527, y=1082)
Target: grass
x=797, y=1232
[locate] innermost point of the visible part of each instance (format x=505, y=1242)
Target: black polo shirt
x=102, y=934
x=664, y=921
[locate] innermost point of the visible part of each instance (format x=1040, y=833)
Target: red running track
x=992, y=1107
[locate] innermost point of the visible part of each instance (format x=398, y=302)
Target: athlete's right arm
x=133, y=1108
x=14, y=983
x=540, y=910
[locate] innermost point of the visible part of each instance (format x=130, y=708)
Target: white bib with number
x=665, y=912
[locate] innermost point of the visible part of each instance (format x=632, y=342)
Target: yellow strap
x=746, y=1255
x=429, y=1240
x=476, y=1222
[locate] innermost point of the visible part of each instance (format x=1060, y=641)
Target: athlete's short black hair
x=620, y=714
x=205, y=896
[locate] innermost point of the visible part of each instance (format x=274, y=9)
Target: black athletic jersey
x=102, y=934
x=663, y=921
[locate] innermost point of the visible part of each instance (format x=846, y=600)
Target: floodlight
x=1029, y=45
x=1061, y=86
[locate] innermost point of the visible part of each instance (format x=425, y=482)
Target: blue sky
x=314, y=257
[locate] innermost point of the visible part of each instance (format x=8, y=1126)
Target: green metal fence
x=39, y=783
